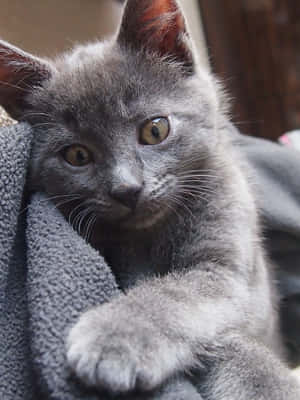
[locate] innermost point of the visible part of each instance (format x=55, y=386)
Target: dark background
x=254, y=45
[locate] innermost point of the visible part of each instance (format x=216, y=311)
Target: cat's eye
x=155, y=131
x=77, y=155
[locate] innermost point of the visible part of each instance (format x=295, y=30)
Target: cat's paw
x=108, y=351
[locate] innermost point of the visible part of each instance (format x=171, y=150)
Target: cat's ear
x=20, y=73
x=159, y=27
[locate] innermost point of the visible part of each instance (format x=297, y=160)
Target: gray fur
x=198, y=290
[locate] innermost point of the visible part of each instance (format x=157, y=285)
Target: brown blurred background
x=47, y=27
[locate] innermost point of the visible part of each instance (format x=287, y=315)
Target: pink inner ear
x=20, y=73
x=3, y=74
x=160, y=7
x=163, y=26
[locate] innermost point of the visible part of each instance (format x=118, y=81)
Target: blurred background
x=253, y=45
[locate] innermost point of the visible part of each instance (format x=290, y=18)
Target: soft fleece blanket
x=49, y=275
x=277, y=174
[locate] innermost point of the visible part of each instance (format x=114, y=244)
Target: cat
x=131, y=144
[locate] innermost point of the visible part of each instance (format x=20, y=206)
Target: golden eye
x=77, y=155
x=155, y=131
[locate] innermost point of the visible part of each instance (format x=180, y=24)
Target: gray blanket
x=277, y=172
x=49, y=275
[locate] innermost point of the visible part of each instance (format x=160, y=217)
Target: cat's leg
x=161, y=327
x=243, y=369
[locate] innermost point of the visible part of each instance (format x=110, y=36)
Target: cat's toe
x=106, y=370
x=83, y=353
x=116, y=376
x=83, y=364
x=119, y=358
x=115, y=368
x=99, y=364
x=121, y=371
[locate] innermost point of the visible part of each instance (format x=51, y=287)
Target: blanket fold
x=65, y=277
x=49, y=274
x=15, y=362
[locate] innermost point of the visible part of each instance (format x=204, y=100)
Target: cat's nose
x=126, y=185
x=127, y=194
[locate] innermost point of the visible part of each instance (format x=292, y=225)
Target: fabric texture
x=49, y=274
x=5, y=120
x=277, y=175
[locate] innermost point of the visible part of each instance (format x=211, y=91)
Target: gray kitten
x=131, y=138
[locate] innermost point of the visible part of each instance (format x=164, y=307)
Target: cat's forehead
x=103, y=74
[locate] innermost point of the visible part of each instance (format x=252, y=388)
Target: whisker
x=84, y=216
x=91, y=226
x=86, y=227
x=74, y=211
x=195, y=196
x=197, y=179
x=36, y=114
x=180, y=202
x=198, y=195
x=44, y=124
x=58, y=196
x=64, y=202
x=192, y=161
x=200, y=188
x=173, y=209
x=197, y=173
x=77, y=221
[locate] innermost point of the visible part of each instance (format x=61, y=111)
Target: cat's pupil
x=81, y=157
x=155, y=132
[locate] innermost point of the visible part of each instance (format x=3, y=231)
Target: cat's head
x=126, y=125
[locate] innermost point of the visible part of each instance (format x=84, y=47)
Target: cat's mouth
x=142, y=218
